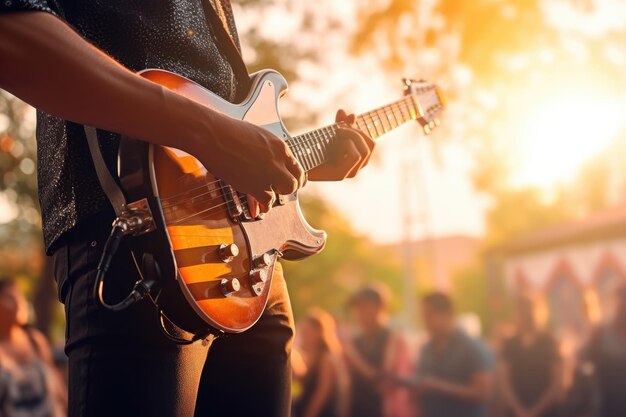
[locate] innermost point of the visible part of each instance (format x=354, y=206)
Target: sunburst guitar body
x=214, y=261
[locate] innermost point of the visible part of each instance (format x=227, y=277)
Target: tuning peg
x=437, y=122
x=427, y=129
x=432, y=124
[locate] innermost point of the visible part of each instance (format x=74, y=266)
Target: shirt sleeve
x=25, y=5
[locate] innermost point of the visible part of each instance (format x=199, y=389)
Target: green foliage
x=19, y=222
x=347, y=262
x=475, y=292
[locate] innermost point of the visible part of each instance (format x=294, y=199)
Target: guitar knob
x=258, y=276
x=262, y=261
x=228, y=252
x=229, y=287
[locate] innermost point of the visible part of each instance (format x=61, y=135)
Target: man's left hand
x=348, y=153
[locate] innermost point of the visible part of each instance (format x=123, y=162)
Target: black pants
x=121, y=364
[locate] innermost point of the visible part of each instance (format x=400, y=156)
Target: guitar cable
x=127, y=223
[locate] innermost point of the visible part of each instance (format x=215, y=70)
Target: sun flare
x=561, y=134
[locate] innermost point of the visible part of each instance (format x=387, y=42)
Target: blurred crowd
x=364, y=367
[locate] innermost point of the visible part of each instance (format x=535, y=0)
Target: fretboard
x=311, y=148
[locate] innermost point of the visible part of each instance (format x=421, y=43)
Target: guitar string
x=312, y=141
x=325, y=139
x=298, y=140
x=322, y=134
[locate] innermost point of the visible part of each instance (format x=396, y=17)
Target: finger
x=286, y=183
x=292, y=164
x=359, y=143
x=351, y=159
x=266, y=201
x=341, y=115
x=370, y=143
x=296, y=170
x=253, y=206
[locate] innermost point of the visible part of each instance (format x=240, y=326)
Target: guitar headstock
x=428, y=100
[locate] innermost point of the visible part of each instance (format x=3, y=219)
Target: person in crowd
x=606, y=353
x=530, y=367
x=374, y=352
x=453, y=376
x=318, y=364
x=30, y=385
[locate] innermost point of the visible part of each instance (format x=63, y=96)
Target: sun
x=559, y=135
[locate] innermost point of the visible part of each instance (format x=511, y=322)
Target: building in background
x=572, y=269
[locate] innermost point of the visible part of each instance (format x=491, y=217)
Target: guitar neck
x=311, y=148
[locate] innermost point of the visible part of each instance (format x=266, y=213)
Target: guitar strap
x=116, y=197
x=107, y=182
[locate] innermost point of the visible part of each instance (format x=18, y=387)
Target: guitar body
x=215, y=263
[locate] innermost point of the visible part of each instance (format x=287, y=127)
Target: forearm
x=356, y=361
x=322, y=390
x=475, y=393
x=51, y=67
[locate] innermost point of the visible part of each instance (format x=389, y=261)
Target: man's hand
x=253, y=161
x=350, y=152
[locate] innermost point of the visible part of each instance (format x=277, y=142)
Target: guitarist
x=75, y=61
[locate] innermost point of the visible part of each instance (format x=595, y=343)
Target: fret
x=329, y=134
x=397, y=111
x=383, y=120
x=377, y=124
x=317, y=147
x=307, y=150
x=304, y=156
x=361, y=118
x=370, y=125
x=311, y=148
x=405, y=108
x=308, y=164
x=413, y=110
x=360, y=123
x=391, y=117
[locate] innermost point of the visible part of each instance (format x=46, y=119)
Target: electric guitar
x=213, y=261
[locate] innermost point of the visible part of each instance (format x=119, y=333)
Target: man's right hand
x=252, y=160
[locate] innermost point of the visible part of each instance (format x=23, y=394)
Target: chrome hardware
x=228, y=252
x=136, y=218
x=258, y=278
x=262, y=261
x=233, y=204
x=229, y=287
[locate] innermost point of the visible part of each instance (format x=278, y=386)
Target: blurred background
x=520, y=191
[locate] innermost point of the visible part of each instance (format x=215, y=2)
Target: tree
x=348, y=262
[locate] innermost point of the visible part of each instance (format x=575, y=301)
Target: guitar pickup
x=233, y=203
